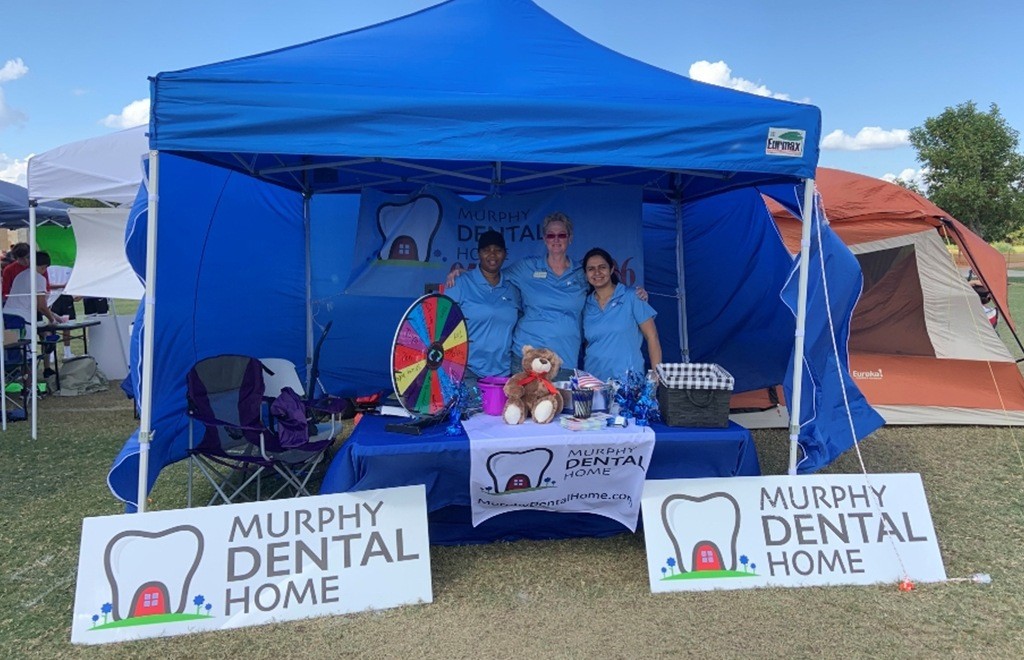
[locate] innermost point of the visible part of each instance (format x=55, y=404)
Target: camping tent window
x=890, y=316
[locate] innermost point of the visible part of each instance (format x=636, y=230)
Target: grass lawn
x=574, y=598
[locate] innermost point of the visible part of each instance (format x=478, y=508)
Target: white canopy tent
x=108, y=169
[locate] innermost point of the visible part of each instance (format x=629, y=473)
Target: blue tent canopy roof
x=14, y=208
x=442, y=95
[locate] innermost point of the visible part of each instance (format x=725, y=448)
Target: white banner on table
x=548, y=468
x=184, y=571
x=788, y=531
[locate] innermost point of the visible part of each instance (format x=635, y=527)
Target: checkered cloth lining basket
x=694, y=394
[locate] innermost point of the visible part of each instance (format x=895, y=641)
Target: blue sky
x=71, y=69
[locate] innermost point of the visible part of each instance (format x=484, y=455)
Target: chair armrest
x=333, y=405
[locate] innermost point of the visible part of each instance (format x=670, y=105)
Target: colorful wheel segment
x=430, y=353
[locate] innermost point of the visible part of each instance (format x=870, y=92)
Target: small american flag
x=587, y=381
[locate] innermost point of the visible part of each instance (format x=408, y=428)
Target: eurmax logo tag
x=785, y=142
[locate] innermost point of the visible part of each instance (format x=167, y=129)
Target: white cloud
x=135, y=113
x=79, y=91
x=910, y=175
x=14, y=170
x=719, y=73
x=869, y=137
x=12, y=70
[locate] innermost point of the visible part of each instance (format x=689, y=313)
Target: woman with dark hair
x=615, y=322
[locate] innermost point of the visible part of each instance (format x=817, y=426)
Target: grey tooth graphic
x=417, y=220
x=690, y=521
x=532, y=463
x=136, y=559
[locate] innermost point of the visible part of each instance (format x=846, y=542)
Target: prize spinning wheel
x=428, y=358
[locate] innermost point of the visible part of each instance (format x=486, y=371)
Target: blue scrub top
x=613, y=334
x=491, y=313
x=552, y=308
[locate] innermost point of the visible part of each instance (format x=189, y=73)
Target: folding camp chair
x=283, y=386
x=225, y=396
x=17, y=375
x=241, y=443
x=280, y=373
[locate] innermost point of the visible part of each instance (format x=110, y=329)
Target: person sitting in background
x=491, y=306
x=615, y=322
x=19, y=302
x=19, y=299
x=18, y=254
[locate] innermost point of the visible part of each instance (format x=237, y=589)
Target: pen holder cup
x=582, y=403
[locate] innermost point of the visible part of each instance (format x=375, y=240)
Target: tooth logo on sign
x=408, y=229
x=519, y=470
x=703, y=531
x=150, y=577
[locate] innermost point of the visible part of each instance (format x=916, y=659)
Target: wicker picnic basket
x=694, y=394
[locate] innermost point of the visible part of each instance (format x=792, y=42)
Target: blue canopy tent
x=482, y=97
x=14, y=208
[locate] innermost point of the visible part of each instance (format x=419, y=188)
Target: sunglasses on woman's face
x=552, y=237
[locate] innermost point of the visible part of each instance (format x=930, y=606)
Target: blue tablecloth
x=374, y=458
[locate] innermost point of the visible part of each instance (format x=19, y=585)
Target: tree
x=911, y=186
x=974, y=171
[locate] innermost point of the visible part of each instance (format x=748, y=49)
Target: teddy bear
x=530, y=392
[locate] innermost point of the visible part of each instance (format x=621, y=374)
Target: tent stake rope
x=818, y=212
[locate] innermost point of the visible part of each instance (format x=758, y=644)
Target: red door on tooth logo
x=706, y=557
x=150, y=599
x=518, y=482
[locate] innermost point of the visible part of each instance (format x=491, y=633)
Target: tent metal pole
x=309, y=299
x=33, y=336
x=801, y=323
x=112, y=310
x=684, y=332
x=148, y=331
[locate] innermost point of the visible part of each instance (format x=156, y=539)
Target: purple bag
x=290, y=413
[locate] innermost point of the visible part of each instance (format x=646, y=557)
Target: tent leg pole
x=310, y=386
x=148, y=331
x=33, y=336
x=112, y=310
x=801, y=323
x=684, y=332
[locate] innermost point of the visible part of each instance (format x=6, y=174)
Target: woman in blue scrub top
x=615, y=322
x=491, y=306
x=554, y=291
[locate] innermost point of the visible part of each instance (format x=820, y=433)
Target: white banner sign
x=788, y=531
x=183, y=571
x=548, y=468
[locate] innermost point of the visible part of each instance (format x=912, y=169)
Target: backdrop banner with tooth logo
x=407, y=243
x=545, y=467
x=195, y=570
x=788, y=531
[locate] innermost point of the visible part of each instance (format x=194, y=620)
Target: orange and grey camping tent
x=921, y=347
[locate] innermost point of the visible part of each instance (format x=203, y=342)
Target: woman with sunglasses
x=615, y=322
x=553, y=290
